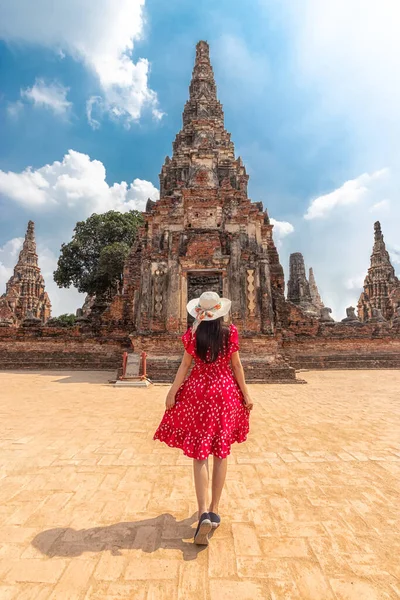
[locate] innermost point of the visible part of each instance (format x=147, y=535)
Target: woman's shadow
x=148, y=535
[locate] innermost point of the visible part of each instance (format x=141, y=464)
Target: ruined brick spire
x=380, y=256
x=28, y=255
x=25, y=294
x=315, y=295
x=203, y=103
x=302, y=291
x=380, y=282
x=298, y=286
x=203, y=153
x=204, y=232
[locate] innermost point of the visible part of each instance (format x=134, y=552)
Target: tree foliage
x=93, y=260
x=65, y=320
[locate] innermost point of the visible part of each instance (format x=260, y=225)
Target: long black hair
x=211, y=339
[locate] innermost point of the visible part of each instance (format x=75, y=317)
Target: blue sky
x=310, y=96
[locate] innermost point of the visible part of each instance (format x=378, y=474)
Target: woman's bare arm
x=179, y=379
x=238, y=372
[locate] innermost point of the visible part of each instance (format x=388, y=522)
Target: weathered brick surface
x=342, y=346
x=307, y=345
x=66, y=348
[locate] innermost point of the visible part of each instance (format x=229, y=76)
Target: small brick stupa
x=381, y=286
x=25, y=296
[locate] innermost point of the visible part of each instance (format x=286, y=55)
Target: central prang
x=203, y=232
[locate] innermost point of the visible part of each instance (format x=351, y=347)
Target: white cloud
x=8, y=257
x=100, y=34
x=394, y=252
x=94, y=102
x=158, y=114
x=5, y=274
x=355, y=283
x=281, y=228
x=14, y=109
x=77, y=184
x=380, y=206
x=11, y=248
x=52, y=96
x=351, y=192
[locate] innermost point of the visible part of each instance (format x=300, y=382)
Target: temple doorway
x=202, y=281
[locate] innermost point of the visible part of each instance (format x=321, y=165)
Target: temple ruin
x=302, y=291
x=205, y=233
x=25, y=296
x=381, y=286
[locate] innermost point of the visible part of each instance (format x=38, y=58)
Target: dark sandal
x=215, y=520
x=203, y=529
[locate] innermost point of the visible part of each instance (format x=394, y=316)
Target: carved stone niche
x=159, y=279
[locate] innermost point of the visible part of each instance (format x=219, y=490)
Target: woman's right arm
x=238, y=372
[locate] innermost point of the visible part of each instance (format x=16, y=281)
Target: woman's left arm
x=179, y=379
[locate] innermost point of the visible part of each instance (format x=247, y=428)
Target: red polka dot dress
x=208, y=414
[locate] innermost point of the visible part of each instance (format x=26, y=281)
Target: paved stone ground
x=91, y=508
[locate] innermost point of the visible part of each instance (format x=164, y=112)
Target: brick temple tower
x=204, y=232
x=25, y=294
x=302, y=291
x=381, y=286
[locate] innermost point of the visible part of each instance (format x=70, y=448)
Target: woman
x=209, y=410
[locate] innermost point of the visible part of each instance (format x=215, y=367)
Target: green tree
x=65, y=320
x=93, y=260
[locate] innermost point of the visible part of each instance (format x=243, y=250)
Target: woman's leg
x=200, y=471
x=220, y=466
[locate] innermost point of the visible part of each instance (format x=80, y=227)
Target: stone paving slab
x=91, y=508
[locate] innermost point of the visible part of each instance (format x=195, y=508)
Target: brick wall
x=340, y=346
x=64, y=348
x=335, y=346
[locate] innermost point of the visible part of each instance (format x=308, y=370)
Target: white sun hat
x=208, y=308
